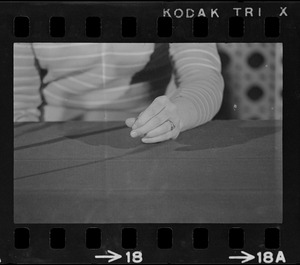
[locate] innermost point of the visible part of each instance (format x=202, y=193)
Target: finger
x=157, y=139
x=162, y=129
x=137, y=119
x=153, y=123
x=130, y=121
x=155, y=107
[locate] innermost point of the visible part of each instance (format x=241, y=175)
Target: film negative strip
x=150, y=132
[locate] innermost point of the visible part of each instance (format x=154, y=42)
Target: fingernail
x=133, y=134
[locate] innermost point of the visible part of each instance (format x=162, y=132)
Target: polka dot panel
x=278, y=82
x=253, y=76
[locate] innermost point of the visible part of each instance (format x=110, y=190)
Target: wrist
x=187, y=112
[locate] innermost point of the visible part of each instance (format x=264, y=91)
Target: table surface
x=91, y=172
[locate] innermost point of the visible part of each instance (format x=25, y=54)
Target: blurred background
x=253, y=81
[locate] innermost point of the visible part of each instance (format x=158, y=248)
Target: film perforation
x=200, y=27
x=272, y=238
x=129, y=27
x=93, y=238
x=57, y=238
x=93, y=27
x=164, y=27
x=21, y=26
x=272, y=27
x=165, y=238
x=200, y=238
x=57, y=27
x=22, y=238
x=236, y=27
x=129, y=238
x=236, y=238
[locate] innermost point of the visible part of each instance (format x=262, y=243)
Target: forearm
x=200, y=89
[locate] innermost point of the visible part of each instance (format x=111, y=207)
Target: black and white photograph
x=147, y=132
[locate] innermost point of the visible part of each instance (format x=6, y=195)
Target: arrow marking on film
x=113, y=257
x=247, y=257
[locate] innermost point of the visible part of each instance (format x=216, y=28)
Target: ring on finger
x=172, y=125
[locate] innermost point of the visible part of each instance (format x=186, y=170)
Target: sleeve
x=197, y=70
x=27, y=84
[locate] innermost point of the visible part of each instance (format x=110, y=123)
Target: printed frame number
x=135, y=257
x=269, y=257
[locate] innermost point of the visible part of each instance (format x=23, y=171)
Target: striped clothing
x=60, y=81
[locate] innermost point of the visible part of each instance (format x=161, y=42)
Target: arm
x=27, y=83
x=197, y=99
x=197, y=69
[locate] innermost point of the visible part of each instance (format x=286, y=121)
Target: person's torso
x=102, y=75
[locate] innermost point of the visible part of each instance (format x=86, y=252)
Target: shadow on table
x=20, y=124
x=116, y=135
x=35, y=126
x=92, y=135
x=32, y=127
x=141, y=148
x=112, y=134
x=213, y=135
